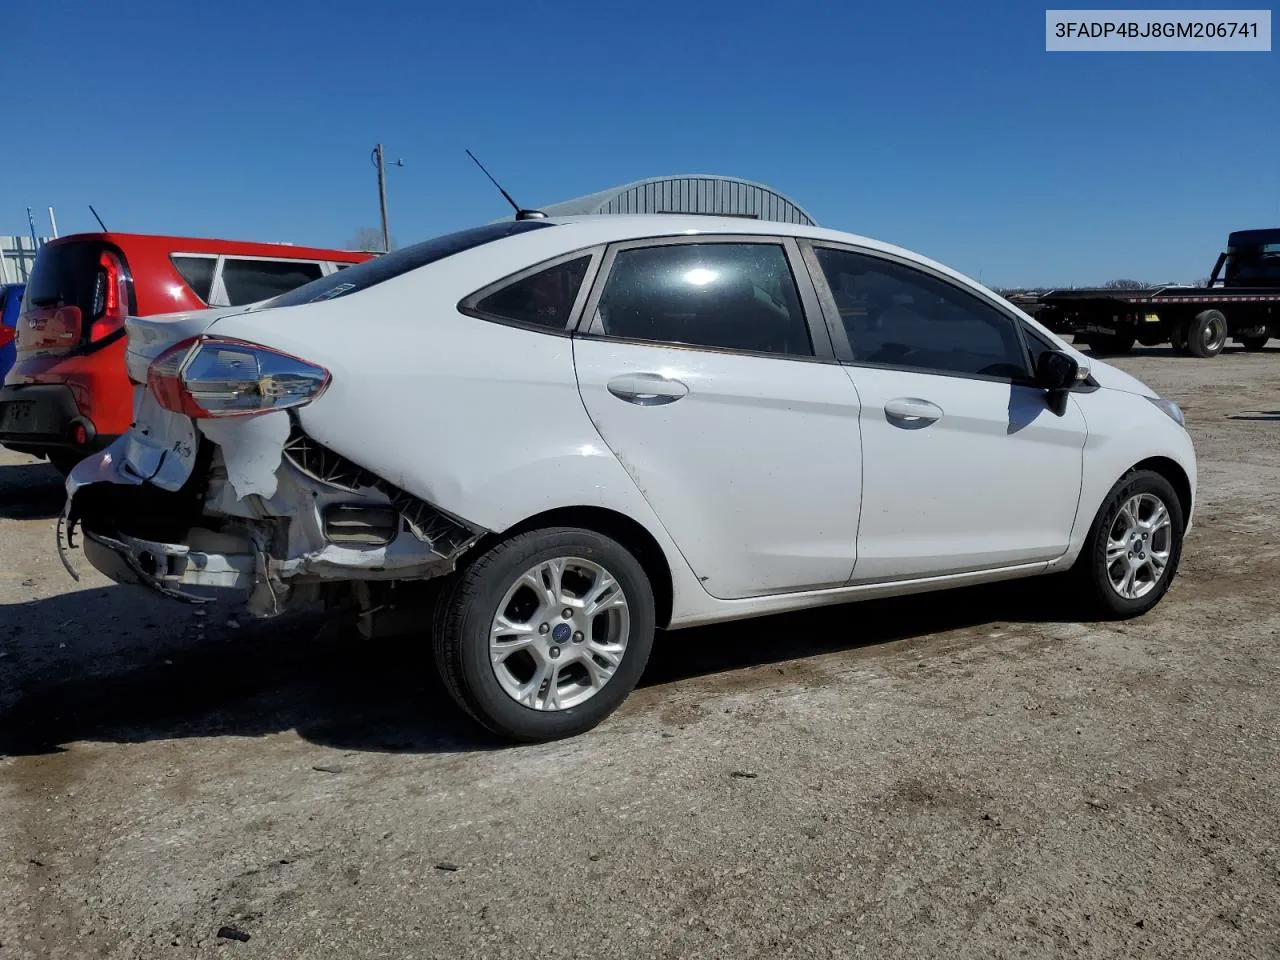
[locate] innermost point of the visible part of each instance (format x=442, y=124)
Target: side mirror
x=1056, y=370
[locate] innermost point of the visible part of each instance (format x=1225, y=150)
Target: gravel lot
x=967, y=775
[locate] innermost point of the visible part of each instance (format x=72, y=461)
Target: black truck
x=1241, y=302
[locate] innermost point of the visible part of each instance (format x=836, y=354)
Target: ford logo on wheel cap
x=561, y=633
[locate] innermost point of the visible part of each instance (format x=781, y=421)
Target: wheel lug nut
x=545, y=628
x=555, y=652
x=567, y=614
x=577, y=636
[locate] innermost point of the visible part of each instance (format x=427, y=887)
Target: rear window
x=65, y=275
x=248, y=281
x=198, y=272
x=361, y=276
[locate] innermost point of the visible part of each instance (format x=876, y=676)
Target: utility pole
x=379, y=162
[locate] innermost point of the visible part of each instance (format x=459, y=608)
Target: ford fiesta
x=577, y=431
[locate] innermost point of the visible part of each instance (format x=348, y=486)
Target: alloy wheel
x=560, y=633
x=1139, y=544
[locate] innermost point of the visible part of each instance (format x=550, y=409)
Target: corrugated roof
x=708, y=194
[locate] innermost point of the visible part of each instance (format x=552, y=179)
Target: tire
x=1254, y=344
x=64, y=461
x=1095, y=576
x=1207, y=334
x=469, y=605
x=1178, y=337
x=1115, y=344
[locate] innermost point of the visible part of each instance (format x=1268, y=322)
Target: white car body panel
x=800, y=461
x=489, y=423
x=936, y=495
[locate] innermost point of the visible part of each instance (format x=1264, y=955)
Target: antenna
x=521, y=213
x=99, y=219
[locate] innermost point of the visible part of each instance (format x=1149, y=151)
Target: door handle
x=912, y=412
x=647, y=389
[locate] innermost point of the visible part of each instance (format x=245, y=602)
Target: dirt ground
x=967, y=775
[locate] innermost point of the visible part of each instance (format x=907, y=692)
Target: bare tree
x=1123, y=285
x=368, y=239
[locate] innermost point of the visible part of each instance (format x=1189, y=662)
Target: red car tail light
x=7, y=335
x=110, y=297
x=212, y=377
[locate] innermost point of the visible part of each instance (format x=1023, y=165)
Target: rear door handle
x=912, y=412
x=647, y=389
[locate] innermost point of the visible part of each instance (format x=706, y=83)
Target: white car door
x=965, y=465
x=699, y=365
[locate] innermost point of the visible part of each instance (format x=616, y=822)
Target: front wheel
x=1134, y=547
x=546, y=633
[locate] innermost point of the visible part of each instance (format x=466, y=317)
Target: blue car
x=10, y=301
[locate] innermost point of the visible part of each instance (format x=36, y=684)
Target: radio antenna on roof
x=521, y=213
x=99, y=219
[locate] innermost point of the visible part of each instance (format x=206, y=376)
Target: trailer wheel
x=1207, y=334
x=1178, y=337
x=1254, y=344
x=1116, y=343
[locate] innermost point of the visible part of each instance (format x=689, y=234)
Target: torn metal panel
x=257, y=523
x=251, y=450
x=162, y=447
x=430, y=523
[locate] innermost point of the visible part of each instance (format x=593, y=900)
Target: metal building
x=17, y=256
x=724, y=196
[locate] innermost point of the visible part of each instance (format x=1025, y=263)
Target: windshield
x=1252, y=265
x=389, y=265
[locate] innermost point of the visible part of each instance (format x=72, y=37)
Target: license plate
x=16, y=414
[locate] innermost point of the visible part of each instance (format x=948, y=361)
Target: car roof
x=210, y=245
x=615, y=228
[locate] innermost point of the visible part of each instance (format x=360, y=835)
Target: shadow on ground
x=30, y=491
x=338, y=690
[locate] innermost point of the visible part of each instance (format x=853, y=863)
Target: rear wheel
x=64, y=461
x=1207, y=334
x=546, y=633
x=1254, y=344
x=1134, y=547
x=1178, y=336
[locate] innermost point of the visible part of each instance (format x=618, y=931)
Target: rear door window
x=727, y=296
x=197, y=272
x=248, y=281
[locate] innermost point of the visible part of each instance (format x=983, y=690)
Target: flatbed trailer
x=1241, y=302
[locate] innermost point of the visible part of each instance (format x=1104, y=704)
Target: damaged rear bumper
x=261, y=511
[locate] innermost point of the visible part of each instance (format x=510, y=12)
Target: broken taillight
x=211, y=377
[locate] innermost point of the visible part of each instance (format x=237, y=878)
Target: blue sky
x=943, y=127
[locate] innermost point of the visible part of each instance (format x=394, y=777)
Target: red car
x=68, y=394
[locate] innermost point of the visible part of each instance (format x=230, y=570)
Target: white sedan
x=545, y=438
